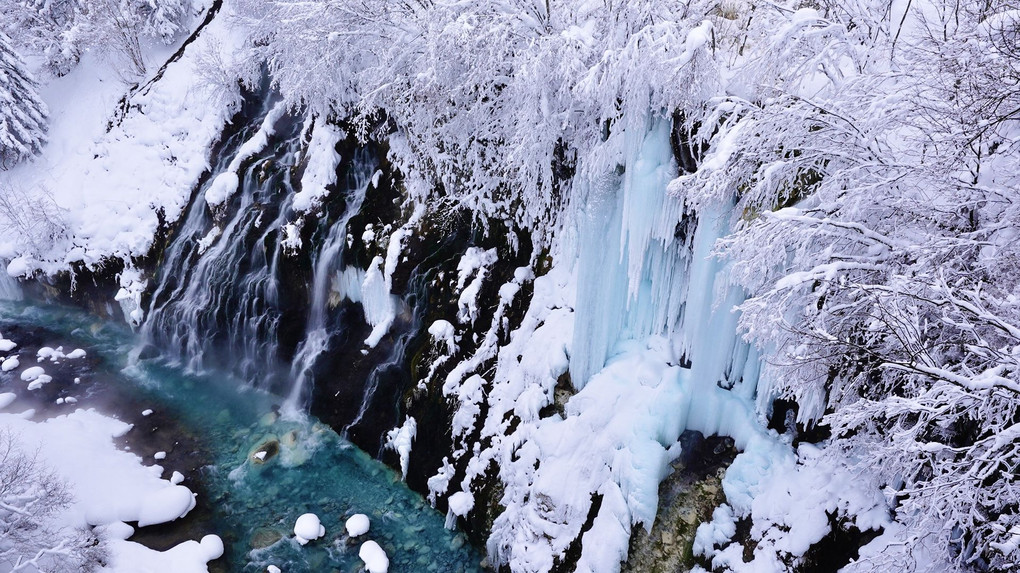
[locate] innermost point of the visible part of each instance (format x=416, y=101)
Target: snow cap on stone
x=308, y=527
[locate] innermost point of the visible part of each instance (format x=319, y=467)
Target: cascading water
x=10, y=289
x=228, y=295
x=217, y=300
x=326, y=263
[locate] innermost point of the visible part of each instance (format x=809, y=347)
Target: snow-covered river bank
x=254, y=473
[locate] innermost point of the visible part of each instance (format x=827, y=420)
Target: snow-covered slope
x=119, y=157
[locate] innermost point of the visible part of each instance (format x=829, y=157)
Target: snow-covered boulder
x=307, y=528
x=33, y=373
x=374, y=557
x=36, y=377
x=461, y=503
x=357, y=524
x=10, y=364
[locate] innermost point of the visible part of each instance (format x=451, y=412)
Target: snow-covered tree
x=63, y=30
x=45, y=27
x=23, y=114
x=495, y=100
x=29, y=495
x=876, y=169
x=122, y=27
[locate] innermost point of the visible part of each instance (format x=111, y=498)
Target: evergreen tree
x=23, y=114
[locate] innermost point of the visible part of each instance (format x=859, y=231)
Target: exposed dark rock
x=687, y=498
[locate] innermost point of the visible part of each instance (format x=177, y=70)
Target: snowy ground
x=111, y=487
x=99, y=184
x=104, y=175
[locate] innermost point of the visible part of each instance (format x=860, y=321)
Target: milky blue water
x=253, y=506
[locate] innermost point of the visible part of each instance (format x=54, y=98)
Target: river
x=212, y=425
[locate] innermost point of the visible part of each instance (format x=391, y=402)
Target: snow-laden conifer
x=23, y=114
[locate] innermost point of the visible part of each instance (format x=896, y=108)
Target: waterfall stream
x=326, y=263
x=217, y=301
x=231, y=295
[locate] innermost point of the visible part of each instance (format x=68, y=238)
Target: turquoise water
x=253, y=506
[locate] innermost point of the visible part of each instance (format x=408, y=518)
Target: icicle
x=630, y=266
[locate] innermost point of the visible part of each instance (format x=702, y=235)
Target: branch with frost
x=960, y=486
x=30, y=496
x=794, y=215
x=62, y=31
x=499, y=102
x=32, y=219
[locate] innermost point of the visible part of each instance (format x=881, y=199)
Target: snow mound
x=36, y=377
x=461, y=503
x=32, y=373
x=374, y=557
x=357, y=524
x=111, y=487
x=187, y=556
x=57, y=354
x=10, y=364
x=165, y=505
x=442, y=331
x=308, y=528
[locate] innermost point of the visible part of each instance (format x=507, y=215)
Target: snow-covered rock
x=10, y=364
x=36, y=377
x=357, y=524
x=32, y=373
x=57, y=354
x=443, y=331
x=374, y=557
x=308, y=528
x=461, y=503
